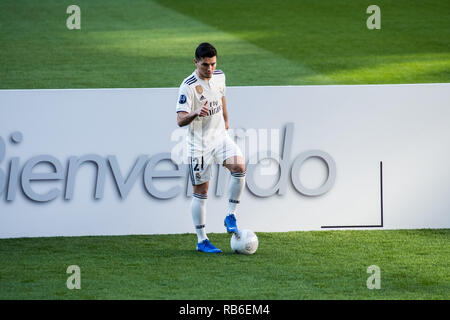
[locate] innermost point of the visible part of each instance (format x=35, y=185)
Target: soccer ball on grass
x=244, y=241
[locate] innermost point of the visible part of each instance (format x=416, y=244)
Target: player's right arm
x=185, y=108
x=185, y=118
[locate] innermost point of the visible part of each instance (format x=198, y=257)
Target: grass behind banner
x=291, y=265
x=140, y=43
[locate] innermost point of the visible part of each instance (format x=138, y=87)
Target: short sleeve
x=224, y=86
x=185, y=99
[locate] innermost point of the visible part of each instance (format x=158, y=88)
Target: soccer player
x=202, y=106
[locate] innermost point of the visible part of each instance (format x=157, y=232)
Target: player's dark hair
x=205, y=50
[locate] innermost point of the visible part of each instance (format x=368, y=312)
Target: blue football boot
x=207, y=246
x=230, y=223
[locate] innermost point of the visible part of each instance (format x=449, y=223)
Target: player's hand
x=204, y=110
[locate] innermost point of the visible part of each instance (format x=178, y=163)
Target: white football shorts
x=200, y=165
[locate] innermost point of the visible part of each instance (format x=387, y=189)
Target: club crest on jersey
x=182, y=99
x=199, y=89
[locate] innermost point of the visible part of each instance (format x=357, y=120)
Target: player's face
x=205, y=67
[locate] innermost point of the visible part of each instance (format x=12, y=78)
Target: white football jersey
x=204, y=133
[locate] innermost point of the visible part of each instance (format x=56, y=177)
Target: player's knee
x=201, y=189
x=238, y=168
x=235, y=164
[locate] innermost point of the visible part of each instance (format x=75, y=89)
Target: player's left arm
x=225, y=113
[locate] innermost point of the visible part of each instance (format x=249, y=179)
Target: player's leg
x=231, y=157
x=200, y=174
x=198, y=210
x=236, y=166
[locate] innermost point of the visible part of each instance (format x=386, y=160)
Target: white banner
x=98, y=161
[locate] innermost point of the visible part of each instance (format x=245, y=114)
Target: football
x=244, y=241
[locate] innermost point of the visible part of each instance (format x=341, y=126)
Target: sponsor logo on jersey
x=214, y=110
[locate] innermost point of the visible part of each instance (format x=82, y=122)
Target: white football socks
x=198, y=204
x=198, y=211
x=237, y=184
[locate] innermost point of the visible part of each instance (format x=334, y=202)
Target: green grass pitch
x=140, y=44
x=290, y=265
